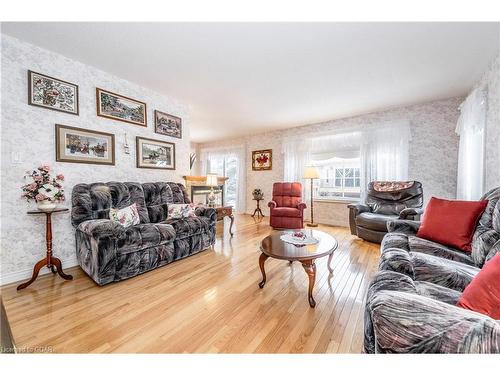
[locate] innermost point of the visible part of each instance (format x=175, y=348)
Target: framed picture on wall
x=52, y=93
x=168, y=125
x=77, y=145
x=120, y=108
x=151, y=153
x=262, y=160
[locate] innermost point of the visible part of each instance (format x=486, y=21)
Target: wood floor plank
x=207, y=303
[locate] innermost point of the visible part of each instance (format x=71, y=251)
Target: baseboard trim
x=25, y=274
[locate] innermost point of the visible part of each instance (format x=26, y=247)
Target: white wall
x=30, y=131
x=433, y=152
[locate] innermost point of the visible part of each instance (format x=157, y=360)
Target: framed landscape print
x=168, y=125
x=155, y=154
x=52, y=93
x=121, y=108
x=77, y=145
x=262, y=160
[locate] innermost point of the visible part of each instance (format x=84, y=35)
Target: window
x=226, y=166
x=339, y=178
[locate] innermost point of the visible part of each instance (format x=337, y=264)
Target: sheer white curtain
x=297, y=154
x=470, y=128
x=238, y=152
x=384, y=153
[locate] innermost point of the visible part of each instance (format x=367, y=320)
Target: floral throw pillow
x=180, y=211
x=126, y=216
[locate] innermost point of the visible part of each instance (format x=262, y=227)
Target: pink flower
x=45, y=168
x=40, y=197
x=60, y=177
x=32, y=186
x=37, y=178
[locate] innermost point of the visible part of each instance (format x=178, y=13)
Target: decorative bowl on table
x=298, y=238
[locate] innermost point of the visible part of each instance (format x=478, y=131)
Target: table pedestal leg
x=310, y=269
x=36, y=269
x=329, y=263
x=262, y=260
x=231, y=225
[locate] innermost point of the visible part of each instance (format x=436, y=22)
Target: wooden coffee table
x=272, y=246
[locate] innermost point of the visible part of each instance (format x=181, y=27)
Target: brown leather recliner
x=385, y=201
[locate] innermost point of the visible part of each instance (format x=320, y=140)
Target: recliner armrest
x=272, y=204
x=101, y=227
x=409, y=227
x=209, y=212
x=411, y=211
x=404, y=322
x=302, y=206
x=358, y=208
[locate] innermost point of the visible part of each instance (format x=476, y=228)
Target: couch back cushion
x=287, y=194
x=93, y=201
x=486, y=239
x=158, y=195
x=392, y=197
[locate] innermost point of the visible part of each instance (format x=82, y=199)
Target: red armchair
x=287, y=208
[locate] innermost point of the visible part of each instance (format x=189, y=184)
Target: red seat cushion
x=451, y=223
x=482, y=295
x=286, y=212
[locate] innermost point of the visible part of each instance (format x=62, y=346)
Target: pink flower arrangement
x=42, y=186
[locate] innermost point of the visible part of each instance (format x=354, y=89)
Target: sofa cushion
x=190, y=226
x=141, y=236
x=482, y=295
x=373, y=221
x=451, y=222
x=286, y=212
x=421, y=245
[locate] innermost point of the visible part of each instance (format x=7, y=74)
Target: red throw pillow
x=482, y=295
x=451, y=223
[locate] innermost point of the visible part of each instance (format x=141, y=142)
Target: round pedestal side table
x=257, y=210
x=52, y=263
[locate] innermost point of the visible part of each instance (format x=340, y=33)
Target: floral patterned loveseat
x=109, y=252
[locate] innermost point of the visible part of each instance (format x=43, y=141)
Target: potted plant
x=257, y=194
x=45, y=190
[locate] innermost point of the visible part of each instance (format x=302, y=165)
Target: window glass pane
x=338, y=182
x=349, y=172
x=357, y=182
x=338, y=172
x=349, y=182
x=356, y=172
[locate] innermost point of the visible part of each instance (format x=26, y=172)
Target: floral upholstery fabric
x=109, y=252
x=410, y=305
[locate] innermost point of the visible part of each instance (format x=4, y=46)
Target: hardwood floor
x=209, y=302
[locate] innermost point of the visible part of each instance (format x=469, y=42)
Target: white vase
x=46, y=205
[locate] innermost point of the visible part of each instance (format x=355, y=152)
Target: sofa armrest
x=411, y=213
x=409, y=227
x=404, y=322
x=209, y=212
x=272, y=204
x=101, y=228
x=302, y=206
x=354, y=210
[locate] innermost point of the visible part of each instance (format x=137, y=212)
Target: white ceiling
x=242, y=78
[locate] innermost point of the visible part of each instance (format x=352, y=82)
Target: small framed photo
x=77, y=145
x=168, y=125
x=52, y=93
x=262, y=160
x=120, y=108
x=155, y=154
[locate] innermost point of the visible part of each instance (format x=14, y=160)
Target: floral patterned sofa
x=410, y=305
x=109, y=252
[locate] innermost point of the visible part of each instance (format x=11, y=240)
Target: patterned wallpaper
x=29, y=130
x=492, y=162
x=433, y=152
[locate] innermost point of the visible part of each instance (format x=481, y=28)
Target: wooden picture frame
x=79, y=145
x=163, y=158
x=52, y=93
x=262, y=160
x=120, y=108
x=167, y=124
